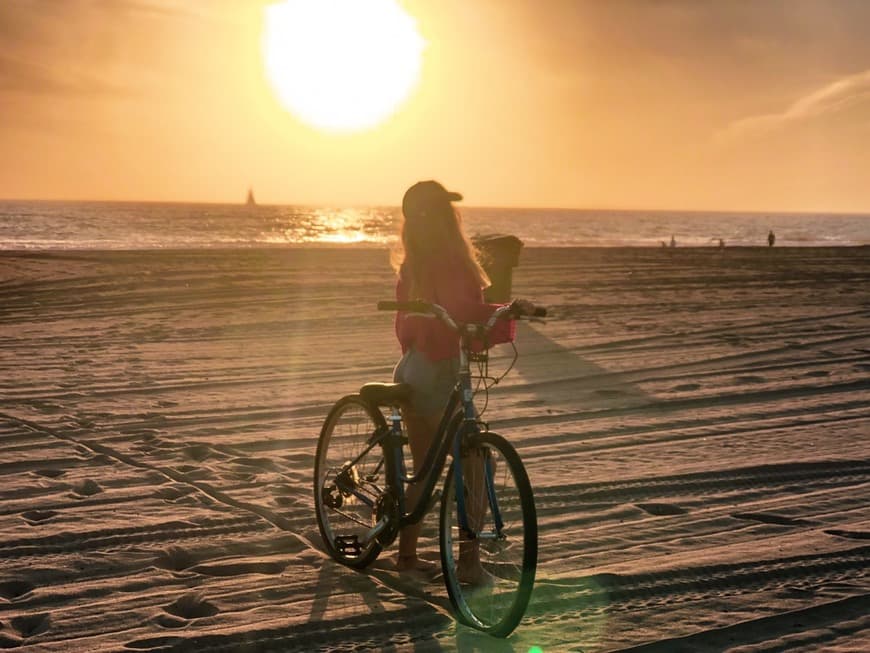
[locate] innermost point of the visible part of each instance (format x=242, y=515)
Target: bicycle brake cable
x=509, y=367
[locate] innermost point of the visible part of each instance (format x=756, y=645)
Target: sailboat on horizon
x=250, y=201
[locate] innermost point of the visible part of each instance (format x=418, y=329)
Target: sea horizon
x=121, y=224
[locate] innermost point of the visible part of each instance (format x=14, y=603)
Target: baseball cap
x=425, y=195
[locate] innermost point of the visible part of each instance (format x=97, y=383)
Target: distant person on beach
x=673, y=241
x=436, y=263
x=771, y=238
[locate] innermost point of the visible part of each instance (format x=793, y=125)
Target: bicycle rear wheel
x=491, y=596
x=347, y=484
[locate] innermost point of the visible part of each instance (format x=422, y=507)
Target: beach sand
x=695, y=422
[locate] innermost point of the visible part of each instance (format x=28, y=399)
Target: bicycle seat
x=385, y=394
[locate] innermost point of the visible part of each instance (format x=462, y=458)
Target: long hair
x=429, y=236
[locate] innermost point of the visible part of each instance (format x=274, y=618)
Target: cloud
x=830, y=100
x=18, y=75
x=76, y=47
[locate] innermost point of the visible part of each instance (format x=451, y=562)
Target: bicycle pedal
x=348, y=545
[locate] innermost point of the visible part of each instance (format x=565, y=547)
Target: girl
x=436, y=263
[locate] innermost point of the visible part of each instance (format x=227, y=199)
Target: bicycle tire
x=508, y=559
x=345, y=498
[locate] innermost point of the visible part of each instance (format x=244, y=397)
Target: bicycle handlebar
x=540, y=311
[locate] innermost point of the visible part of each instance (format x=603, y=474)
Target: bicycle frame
x=460, y=424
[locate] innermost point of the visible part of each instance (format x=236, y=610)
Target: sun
x=341, y=65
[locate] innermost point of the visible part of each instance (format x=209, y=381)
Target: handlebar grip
x=388, y=306
x=540, y=311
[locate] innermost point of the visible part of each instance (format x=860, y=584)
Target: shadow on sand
x=559, y=378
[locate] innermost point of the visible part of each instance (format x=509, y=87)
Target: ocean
x=50, y=225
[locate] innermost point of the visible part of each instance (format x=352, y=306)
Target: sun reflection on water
x=346, y=226
x=344, y=237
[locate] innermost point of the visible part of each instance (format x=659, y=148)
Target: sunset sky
x=680, y=104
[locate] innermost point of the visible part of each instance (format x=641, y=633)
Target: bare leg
x=468, y=566
x=421, y=433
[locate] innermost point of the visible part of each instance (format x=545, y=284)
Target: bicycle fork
x=462, y=507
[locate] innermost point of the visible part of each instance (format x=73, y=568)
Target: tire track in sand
x=842, y=619
x=830, y=473
x=258, y=511
x=623, y=592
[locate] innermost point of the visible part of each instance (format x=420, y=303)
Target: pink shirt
x=455, y=288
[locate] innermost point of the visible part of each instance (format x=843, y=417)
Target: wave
x=130, y=225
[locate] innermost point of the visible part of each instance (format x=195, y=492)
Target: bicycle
x=487, y=506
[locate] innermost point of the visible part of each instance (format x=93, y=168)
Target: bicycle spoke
x=490, y=572
x=345, y=493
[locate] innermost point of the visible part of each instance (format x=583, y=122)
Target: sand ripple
x=696, y=424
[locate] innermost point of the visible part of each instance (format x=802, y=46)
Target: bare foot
x=474, y=574
x=414, y=567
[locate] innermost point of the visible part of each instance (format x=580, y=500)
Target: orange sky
x=692, y=104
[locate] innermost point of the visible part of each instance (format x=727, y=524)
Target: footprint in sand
x=86, y=488
x=191, y=606
x=15, y=589
x=173, y=492
x=285, y=495
x=817, y=374
x=197, y=452
x=175, y=558
x=771, y=518
x=240, y=568
x=47, y=407
x=170, y=621
x=35, y=517
x=29, y=625
x=661, y=509
x=686, y=387
x=50, y=473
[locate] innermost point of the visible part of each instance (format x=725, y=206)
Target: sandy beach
x=695, y=422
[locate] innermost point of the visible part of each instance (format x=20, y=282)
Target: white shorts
x=433, y=381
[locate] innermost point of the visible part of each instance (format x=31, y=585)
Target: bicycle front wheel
x=489, y=569
x=349, y=481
